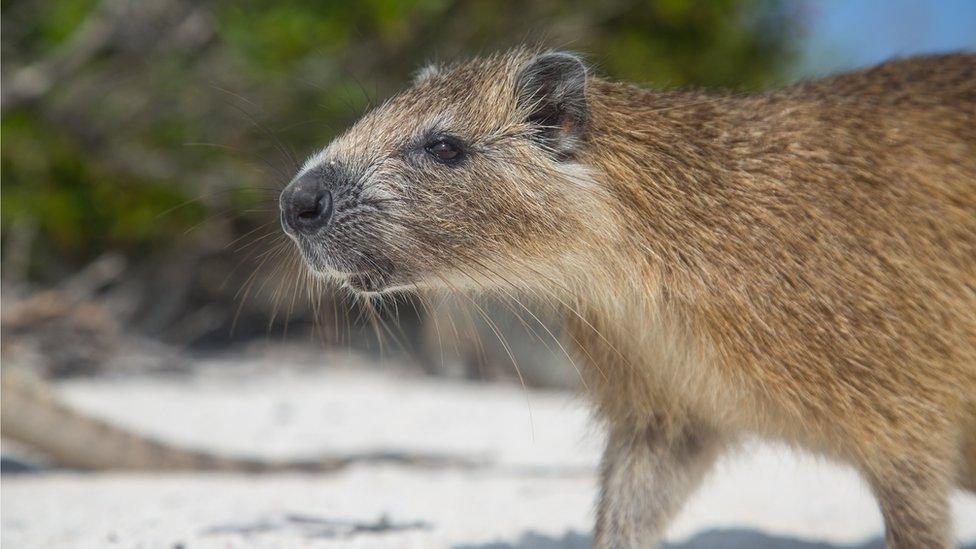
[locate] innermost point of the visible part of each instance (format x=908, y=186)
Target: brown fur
x=799, y=264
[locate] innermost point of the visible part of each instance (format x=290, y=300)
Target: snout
x=341, y=247
x=306, y=205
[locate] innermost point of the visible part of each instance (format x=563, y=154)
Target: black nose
x=306, y=205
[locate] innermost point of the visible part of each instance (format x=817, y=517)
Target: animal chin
x=372, y=274
x=367, y=282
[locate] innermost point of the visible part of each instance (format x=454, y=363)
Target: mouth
x=369, y=273
x=363, y=282
x=360, y=280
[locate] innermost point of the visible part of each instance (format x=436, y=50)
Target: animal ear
x=551, y=90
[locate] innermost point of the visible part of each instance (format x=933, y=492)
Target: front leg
x=647, y=473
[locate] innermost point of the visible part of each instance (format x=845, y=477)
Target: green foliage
x=718, y=43
x=80, y=206
x=180, y=100
x=59, y=21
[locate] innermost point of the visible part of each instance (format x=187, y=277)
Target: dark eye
x=446, y=151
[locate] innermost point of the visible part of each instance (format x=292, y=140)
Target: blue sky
x=843, y=34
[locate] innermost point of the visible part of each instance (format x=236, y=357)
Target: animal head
x=471, y=174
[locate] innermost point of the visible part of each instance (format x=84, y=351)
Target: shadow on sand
x=712, y=539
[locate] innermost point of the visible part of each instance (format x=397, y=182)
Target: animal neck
x=659, y=156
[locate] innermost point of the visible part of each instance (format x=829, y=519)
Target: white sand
x=538, y=491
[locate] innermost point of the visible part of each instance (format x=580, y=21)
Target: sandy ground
x=536, y=488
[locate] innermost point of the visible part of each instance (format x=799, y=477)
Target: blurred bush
x=162, y=131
